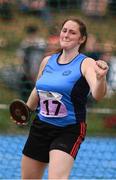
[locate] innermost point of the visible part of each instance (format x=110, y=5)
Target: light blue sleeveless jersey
x=63, y=92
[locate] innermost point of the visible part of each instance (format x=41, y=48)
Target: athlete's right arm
x=42, y=66
x=33, y=99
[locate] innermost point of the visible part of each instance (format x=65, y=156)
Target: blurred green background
x=12, y=33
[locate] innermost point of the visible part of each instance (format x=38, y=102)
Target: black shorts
x=44, y=137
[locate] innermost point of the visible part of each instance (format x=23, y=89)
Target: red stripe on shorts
x=79, y=139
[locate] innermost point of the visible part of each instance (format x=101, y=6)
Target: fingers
x=101, y=69
x=17, y=122
x=102, y=64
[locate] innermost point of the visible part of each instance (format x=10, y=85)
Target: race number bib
x=51, y=104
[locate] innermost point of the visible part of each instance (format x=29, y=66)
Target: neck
x=68, y=55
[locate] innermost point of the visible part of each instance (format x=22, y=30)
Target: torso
x=63, y=92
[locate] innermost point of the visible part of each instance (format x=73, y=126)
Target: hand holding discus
x=19, y=112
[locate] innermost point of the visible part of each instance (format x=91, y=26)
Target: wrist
x=30, y=110
x=100, y=78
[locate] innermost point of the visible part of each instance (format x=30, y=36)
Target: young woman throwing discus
x=64, y=81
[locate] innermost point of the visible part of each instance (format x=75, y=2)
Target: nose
x=66, y=34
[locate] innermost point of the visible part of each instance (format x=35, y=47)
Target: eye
x=73, y=32
x=64, y=30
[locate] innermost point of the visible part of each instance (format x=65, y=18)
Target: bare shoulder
x=87, y=64
x=88, y=60
x=42, y=65
x=44, y=62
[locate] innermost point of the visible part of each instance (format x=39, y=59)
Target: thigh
x=70, y=139
x=38, y=142
x=32, y=169
x=60, y=164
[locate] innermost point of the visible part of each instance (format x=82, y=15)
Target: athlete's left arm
x=95, y=74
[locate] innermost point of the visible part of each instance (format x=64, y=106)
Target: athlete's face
x=70, y=36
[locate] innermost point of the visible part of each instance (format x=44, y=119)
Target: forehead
x=71, y=25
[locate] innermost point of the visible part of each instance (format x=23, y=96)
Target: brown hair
x=83, y=31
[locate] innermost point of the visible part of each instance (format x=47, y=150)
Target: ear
x=82, y=39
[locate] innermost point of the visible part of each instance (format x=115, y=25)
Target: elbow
x=99, y=96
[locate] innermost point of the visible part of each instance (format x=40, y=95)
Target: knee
x=58, y=174
x=32, y=169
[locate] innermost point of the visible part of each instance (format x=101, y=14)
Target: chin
x=65, y=47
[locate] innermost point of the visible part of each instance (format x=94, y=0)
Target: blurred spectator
x=30, y=52
x=38, y=8
x=112, y=74
x=111, y=60
x=92, y=48
x=107, y=51
x=6, y=9
x=65, y=4
x=95, y=8
x=24, y=6
x=112, y=7
x=3, y=42
x=53, y=39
